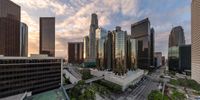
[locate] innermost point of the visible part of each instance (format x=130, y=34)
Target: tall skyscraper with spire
x=92, y=37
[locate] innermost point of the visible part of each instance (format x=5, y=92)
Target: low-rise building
x=29, y=74
x=130, y=78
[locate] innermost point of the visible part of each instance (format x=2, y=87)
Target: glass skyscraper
x=141, y=32
x=109, y=51
x=176, y=39
x=120, y=51
x=133, y=53
x=101, y=35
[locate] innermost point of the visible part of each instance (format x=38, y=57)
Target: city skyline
x=73, y=19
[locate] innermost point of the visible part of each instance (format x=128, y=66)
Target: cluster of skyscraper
x=14, y=33
x=116, y=50
x=181, y=55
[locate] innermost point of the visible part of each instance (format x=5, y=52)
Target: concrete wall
x=72, y=79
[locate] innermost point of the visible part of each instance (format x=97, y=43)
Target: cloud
x=73, y=18
x=55, y=6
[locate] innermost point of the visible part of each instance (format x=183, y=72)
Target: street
x=142, y=89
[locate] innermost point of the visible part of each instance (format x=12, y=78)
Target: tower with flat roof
x=47, y=36
x=9, y=28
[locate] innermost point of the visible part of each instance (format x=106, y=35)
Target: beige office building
x=195, y=27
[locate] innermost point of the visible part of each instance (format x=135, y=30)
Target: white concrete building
x=130, y=78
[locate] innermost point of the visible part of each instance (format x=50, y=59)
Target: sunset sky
x=73, y=18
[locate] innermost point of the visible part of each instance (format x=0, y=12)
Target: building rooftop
x=13, y=97
x=140, y=22
x=56, y=94
x=33, y=56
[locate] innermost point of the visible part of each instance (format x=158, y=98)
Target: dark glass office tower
x=109, y=52
x=47, y=36
x=141, y=32
x=152, y=41
x=9, y=28
x=185, y=58
x=75, y=52
x=180, y=58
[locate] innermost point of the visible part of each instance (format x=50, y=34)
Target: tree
x=156, y=95
x=178, y=96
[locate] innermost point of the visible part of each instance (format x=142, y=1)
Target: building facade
x=109, y=51
x=132, y=53
x=195, y=26
x=86, y=47
x=23, y=40
x=101, y=36
x=9, y=28
x=75, y=52
x=22, y=74
x=180, y=58
x=47, y=36
x=158, y=57
x=152, y=47
x=92, y=37
x=185, y=58
x=119, y=51
x=176, y=37
x=173, y=58
x=163, y=60
x=141, y=32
